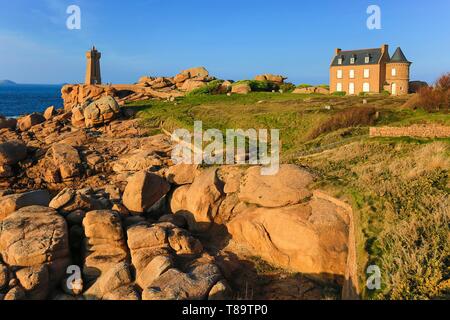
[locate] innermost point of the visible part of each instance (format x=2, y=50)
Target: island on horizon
x=7, y=83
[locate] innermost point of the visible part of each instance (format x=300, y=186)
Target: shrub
x=287, y=87
x=351, y=117
x=339, y=93
x=385, y=93
x=435, y=98
x=259, y=86
x=210, y=88
x=363, y=94
x=325, y=86
x=304, y=85
x=263, y=86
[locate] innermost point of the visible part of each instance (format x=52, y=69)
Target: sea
x=17, y=100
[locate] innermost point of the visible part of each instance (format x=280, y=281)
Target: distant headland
x=7, y=83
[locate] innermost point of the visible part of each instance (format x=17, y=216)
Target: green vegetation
x=211, y=88
x=259, y=86
x=287, y=87
x=304, y=85
x=398, y=187
x=339, y=93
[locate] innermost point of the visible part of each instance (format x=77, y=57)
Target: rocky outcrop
x=176, y=285
x=144, y=189
x=49, y=113
x=182, y=174
x=101, y=111
x=27, y=122
x=241, y=88
x=35, y=241
x=104, y=245
x=67, y=160
x=312, y=89
x=138, y=160
x=146, y=243
x=11, y=153
x=309, y=238
x=199, y=202
x=70, y=200
x=271, y=77
x=287, y=187
x=275, y=217
x=167, y=88
x=13, y=202
x=139, y=227
x=114, y=284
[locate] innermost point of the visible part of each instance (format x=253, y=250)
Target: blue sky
x=233, y=39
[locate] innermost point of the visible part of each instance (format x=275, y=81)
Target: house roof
x=359, y=55
x=398, y=56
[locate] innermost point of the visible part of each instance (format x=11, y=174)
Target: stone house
x=369, y=71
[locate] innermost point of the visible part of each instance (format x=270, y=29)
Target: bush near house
x=435, y=98
x=339, y=93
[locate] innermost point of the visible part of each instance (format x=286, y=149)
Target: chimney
x=337, y=51
x=384, y=48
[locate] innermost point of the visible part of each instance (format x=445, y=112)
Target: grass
x=301, y=118
x=399, y=190
x=398, y=187
x=288, y=112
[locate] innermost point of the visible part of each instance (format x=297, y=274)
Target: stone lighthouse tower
x=397, y=74
x=93, y=75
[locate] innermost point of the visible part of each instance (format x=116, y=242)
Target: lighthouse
x=93, y=75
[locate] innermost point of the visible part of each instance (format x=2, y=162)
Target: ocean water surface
x=22, y=99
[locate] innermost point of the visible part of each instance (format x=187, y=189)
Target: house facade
x=369, y=71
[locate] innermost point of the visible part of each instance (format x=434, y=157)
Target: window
x=352, y=74
x=352, y=60
x=366, y=73
x=366, y=87
x=339, y=74
x=339, y=87
x=367, y=59
x=351, y=88
x=340, y=61
x=394, y=72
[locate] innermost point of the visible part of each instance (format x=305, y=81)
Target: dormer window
x=352, y=60
x=367, y=59
x=339, y=60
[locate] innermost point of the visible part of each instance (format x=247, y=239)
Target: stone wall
x=422, y=131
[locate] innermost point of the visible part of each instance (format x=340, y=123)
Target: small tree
x=436, y=98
